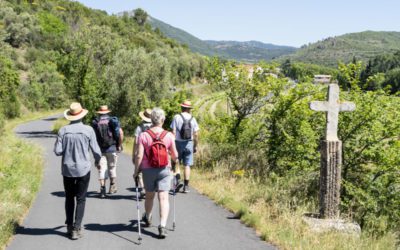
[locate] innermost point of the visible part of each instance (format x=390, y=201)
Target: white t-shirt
x=177, y=124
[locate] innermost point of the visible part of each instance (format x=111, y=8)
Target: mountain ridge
x=247, y=51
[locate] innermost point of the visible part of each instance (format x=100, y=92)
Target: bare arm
x=173, y=151
x=196, y=138
x=138, y=158
x=134, y=148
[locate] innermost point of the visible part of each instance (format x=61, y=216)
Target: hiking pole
x=174, y=193
x=138, y=209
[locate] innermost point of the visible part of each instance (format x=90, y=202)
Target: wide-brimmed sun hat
x=103, y=110
x=145, y=115
x=186, y=104
x=75, y=112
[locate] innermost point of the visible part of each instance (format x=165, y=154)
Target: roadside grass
x=265, y=208
x=60, y=122
x=20, y=176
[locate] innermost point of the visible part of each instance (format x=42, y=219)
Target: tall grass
x=266, y=207
x=20, y=176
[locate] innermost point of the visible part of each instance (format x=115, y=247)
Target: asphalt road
x=111, y=223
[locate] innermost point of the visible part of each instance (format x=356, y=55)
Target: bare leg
x=187, y=173
x=148, y=203
x=164, y=207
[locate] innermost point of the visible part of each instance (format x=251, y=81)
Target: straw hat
x=75, y=112
x=103, y=110
x=145, y=115
x=186, y=104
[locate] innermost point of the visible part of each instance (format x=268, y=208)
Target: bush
x=9, y=83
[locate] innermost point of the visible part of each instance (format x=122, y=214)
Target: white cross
x=333, y=106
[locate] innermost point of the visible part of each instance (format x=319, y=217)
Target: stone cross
x=332, y=107
x=331, y=153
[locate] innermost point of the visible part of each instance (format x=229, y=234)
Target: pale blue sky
x=281, y=22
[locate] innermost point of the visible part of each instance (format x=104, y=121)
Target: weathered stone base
x=329, y=181
x=318, y=225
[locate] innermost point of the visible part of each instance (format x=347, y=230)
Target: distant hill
x=194, y=43
x=251, y=51
x=362, y=46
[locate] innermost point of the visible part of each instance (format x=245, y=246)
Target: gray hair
x=157, y=116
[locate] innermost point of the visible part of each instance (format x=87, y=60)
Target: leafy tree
x=392, y=80
x=140, y=16
x=349, y=75
x=20, y=28
x=9, y=82
x=45, y=89
x=136, y=79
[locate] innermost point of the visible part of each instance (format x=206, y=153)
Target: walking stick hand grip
x=137, y=181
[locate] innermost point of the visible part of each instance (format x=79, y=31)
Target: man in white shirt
x=186, y=130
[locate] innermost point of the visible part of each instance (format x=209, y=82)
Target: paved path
x=111, y=223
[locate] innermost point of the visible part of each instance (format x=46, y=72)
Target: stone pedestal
x=332, y=225
x=330, y=176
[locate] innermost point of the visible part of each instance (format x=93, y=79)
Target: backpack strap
x=163, y=134
x=154, y=136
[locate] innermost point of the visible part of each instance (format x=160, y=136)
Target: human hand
x=98, y=166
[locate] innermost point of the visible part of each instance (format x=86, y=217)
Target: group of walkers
x=156, y=156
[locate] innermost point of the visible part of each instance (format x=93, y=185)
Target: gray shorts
x=157, y=179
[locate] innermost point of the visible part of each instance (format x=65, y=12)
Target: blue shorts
x=185, y=152
x=157, y=179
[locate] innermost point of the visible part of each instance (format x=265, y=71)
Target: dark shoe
x=113, y=188
x=178, y=187
x=76, y=234
x=69, y=230
x=103, y=192
x=146, y=221
x=186, y=189
x=162, y=232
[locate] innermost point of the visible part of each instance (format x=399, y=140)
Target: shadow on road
x=50, y=119
x=40, y=231
x=37, y=134
x=59, y=194
x=113, y=228
x=94, y=194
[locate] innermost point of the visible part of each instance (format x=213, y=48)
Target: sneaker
x=146, y=221
x=69, y=230
x=76, y=234
x=102, y=192
x=178, y=187
x=186, y=189
x=162, y=232
x=113, y=188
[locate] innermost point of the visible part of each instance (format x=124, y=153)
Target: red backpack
x=158, y=153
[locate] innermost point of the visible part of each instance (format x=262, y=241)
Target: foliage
x=45, y=89
x=370, y=137
x=136, y=80
x=140, y=16
x=282, y=139
x=51, y=25
x=20, y=28
x=304, y=72
x=349, y=75
x=66, y=51
x=9, y=83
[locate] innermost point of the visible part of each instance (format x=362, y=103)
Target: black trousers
x=75, y=187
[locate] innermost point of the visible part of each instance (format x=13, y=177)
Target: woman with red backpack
x=152, y=159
